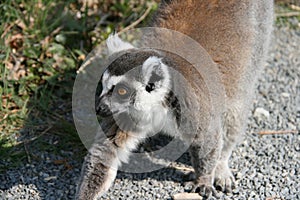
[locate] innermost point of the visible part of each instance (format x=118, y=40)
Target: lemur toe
x=202, y=189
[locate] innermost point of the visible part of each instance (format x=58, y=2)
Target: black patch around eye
x=150, y=87
x=111, y=90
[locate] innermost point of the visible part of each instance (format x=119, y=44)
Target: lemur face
x=135, y=86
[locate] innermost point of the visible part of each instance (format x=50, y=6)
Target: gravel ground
x=266, y=167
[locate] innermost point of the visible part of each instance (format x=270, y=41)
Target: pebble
x=187, y=196
x=261, y=114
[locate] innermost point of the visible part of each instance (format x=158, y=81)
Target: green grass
x=284, y=19
x=42, y=44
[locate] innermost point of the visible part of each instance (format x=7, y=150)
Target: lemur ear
x=155, y=73
x=115, y=44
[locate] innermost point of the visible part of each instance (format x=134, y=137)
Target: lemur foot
x=202, y=185
x=224, y=180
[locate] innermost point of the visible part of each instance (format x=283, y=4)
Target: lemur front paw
x=202, y=185
x=224, y=180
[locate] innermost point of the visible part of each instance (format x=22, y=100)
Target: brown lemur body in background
x=236, y=35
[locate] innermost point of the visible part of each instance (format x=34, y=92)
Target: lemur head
x=134, y=86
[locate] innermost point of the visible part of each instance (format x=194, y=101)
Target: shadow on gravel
x=48, y=150
x=48, y=155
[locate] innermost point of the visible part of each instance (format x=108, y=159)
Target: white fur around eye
x=108, y=81
x=105, y=77
x=115, y=44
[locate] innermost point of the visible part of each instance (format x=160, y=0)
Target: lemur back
x=138, y=85
x=234, y=33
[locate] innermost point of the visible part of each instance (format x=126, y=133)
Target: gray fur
x=236, y=35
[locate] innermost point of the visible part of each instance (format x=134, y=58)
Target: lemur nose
x=102, y=109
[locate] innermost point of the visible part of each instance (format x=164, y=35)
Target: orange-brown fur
x=223, y=27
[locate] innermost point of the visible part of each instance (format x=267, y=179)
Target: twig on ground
x=135, y=23
x=138, y=20
x=36, y=137
x=46, y=40
x=4, y=118
x=27, y=152
x=273, y=198
x=277, y=132
x=190, y=169
x=102, y=20
x=288, y=14
x=64, y=162
x=294, y=7
x=6, y=30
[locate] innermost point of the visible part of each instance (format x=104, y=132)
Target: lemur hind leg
x=233, y=132
x=205, y=159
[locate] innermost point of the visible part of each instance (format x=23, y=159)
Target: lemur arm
x=101, y=164
x=98, y=171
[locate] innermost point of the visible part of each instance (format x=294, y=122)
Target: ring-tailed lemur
x=137, y=90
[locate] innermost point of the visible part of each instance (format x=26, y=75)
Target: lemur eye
x=122, y=91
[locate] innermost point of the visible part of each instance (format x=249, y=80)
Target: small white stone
x=239, y=175
x=187, y=196
x=285, y=95
x=50, y=178
x=261, y=114
x=291, y=126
